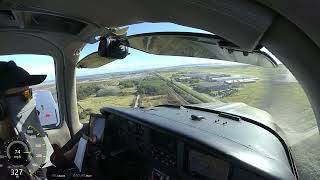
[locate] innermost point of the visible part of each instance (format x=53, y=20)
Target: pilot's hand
x=93, y=140
x=70, y=155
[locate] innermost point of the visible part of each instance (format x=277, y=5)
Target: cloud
x=34, y=64
x=44, y=69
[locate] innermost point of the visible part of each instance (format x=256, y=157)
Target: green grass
x=245, y=70
x=306, y=155
x=150, y=101
x=95, y=103
x=258, y=72
x=167, y=74
x=128, y=91
x=251, y=94
x=286, y=102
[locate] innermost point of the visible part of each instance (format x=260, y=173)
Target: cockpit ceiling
x=23, y=20
x=219, y=17
x=243, y=22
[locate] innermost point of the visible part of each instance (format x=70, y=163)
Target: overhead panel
x=34, y=21
x=7, y=19
x=242, y=22
x=52, y=23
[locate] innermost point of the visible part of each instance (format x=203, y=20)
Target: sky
x=41, y=64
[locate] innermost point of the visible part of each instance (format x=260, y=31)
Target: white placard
x=78, y=160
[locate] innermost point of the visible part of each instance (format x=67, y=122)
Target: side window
x=45, y=94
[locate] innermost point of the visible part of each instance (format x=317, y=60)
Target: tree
x=108, y=91
x=127, y=83
x=84, y=91
x=153, y=87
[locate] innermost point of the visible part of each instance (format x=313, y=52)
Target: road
x=171, y=92
x=179, y=98
x=173, y=86
x=136, y=103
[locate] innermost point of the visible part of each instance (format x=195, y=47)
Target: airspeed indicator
x=37, y=145
x=17, y=152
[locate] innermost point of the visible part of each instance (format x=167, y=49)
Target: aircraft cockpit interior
x=159, y=90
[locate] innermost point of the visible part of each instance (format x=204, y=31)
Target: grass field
x=95, y=103
x=244, y=70
x=150, y=101
x=287, y=103
x=307, y=158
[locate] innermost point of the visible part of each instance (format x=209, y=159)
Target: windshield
x=145, y=80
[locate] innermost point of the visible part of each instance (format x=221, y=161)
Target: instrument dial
x=37, y=144
x=17, y=152
x=25, y=154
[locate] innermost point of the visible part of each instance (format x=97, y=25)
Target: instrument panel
x=174, y=146
x=206, y=166
x=154, y=145
x=161, y=151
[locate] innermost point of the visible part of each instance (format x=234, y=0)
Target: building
x=211, y=86
x=203, y=75
x=242, y=80
x=196, y=75
x=183, y=78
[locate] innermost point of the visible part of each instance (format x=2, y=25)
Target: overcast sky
x=39, y=64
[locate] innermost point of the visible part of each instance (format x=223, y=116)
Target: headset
x=26, y=95
x=3, y=108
